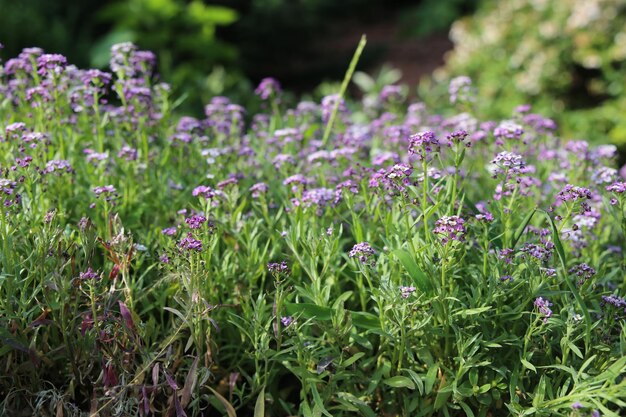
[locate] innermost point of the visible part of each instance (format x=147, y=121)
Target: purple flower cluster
x=543, y=305
x=204, y=191
x=51, y=64
x=424, y=145
x=583, y=272
x=460, y=90
x=405, y=292
x=541, y=252
x=287, y=321
x=267, y=88
x=189, y=243
x=614, y=301
x=450, y=228
x=108, y=191
x=196, y=221
x=89, y=274
x=363, y=252
x=278, y=268
x=573, y=193
x=259, y=188
x=508, y=129
x=509, y=163
x=458, y=137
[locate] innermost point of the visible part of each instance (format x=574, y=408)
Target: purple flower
x=169, y=231
x=223, y=184
x=363, y=251
x=508, y=162
x=267, y=87
x=329, y=103
x=573, y=193
x=544, y=308
x=189, y=243
x=617, y=187
x=405, y=292
x=450, y=228
x=320, y=197
x=541, y=252
x=96, y=78
x=424, y=145
x=95, y=157
x=51, y=64
x=508, y=129
x=258, y=189
x=583, y=271
x=615, y=301
x=204, y=191
x=276, y=268
x=296, y=180
x=280, y=159
x=195, y=221
x=486, y=217
x=286, y=320
x=120, y=58
x=458, y=137
x=391, y=93
x=604, y=175
x=105, y=190
x=127, y=153
x=88, y=274
x=58, y=166
x=577, y=406
x=460, y=90
x=550, y=272
x=505, y=255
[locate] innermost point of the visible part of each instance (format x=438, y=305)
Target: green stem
x=344, y=87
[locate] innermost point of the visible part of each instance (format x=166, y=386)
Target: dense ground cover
x=330, y=259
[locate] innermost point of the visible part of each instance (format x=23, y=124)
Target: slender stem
x=344, y=87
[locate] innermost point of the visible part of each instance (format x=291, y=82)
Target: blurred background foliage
x=223, y=47
x=566, y=57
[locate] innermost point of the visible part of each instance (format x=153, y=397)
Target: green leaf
x=360, y=404
x=472, y=311
x=419, y=278
x=399, y=381
x=229, y=408
x=520, y=230
x=442, y=397
x=466, y=408
x=211, y=15
x=259, y=407
x=540, y=393
x=431, y=377
x=363, y=320
x=360, y=319
x=353, y=359
x=528, y=365
x=309, y=311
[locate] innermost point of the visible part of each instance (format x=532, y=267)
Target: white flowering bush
x=567, y=58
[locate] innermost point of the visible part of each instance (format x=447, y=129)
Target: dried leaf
x=126, y=315
x=180, y=412
x=190, y=382
x=170, y=381
x=155, y=375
